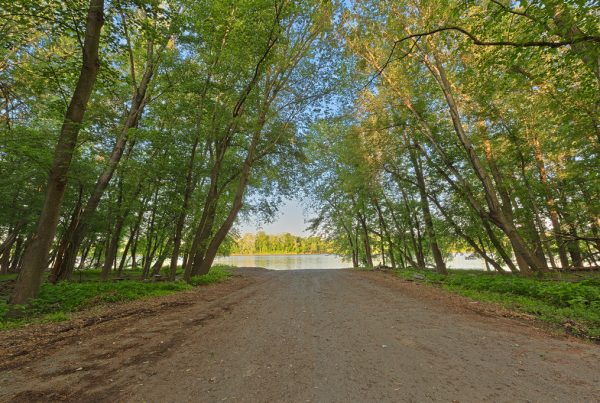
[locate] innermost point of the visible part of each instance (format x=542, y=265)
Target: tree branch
x=479, y=42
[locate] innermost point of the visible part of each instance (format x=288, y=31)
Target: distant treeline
x=262, y=243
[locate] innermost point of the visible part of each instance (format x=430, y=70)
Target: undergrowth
x=56, y=302
x=217, y=273
x=573, y=305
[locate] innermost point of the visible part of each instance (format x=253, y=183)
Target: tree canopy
x=136, y=133
x=468, y=126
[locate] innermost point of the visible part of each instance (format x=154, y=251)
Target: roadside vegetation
x=136, y=134
x=56, y=302
x=568, y=300
x=459, y=138
x=140, y=145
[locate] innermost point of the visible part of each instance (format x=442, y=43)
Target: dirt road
x=298, y=336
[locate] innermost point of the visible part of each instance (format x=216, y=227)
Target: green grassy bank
x=57, y=301
x=571, y=301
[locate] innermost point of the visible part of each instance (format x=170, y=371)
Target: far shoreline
x=278, y=254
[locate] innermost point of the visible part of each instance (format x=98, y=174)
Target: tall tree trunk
x=5, y=248
x=202, y=264
x=84, y=255
x=125, y=255
x=189, y=184
x=574, y=249
x=572, y=243
x=113, y=246
x=464, y=188
x=183, y=212
x=550, y=202
x=101, y=248
x=356, y=251
x=58, y=271
x=134, y=246
x=352, y=244
x=138, y=103
x=149, y=257
x=458, y=230
x=136, y=228
x=5, y=260
x=151, y=243
x=186, y=257
x=385, y=233
x=413, y=238
x=440, y=265
x=162, y=256
x=201, y=240
x=496, y=215
x=403, y=255
x=506, y=205
x=11, y=237
x=17, y=255
x=36, y=256
x=205, y=226
x=366, y=241
x=540, y=240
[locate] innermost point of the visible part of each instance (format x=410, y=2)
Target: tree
x=36, y=254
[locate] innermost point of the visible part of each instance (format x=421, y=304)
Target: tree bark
x=550, y=202
x=403, y=255
x=36, y=256
x=79, y=229
x=440, y=265
x=366, y=241
x=183, y=212
x=11, y=239
x=84, y=255
x=58, y=272
x=125, y=255
x=480, y=250
x=505, y=197
x=352, y=243
x=189, y=184
x=385, y=233
x=151, y=243
x=413, y=238
x=5, y=260
x=113, y=246
x=202, y=264
x=15, y=263
x=496, y=215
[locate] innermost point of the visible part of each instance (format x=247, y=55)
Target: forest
x=135, y=134
x=476, y=126
x=262, y=243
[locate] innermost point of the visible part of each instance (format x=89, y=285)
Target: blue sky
x=289, y=219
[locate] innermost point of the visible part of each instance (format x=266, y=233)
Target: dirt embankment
x=326, y=336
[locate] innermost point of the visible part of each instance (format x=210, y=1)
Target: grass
x=217, y=273
x=7, y=277
x=56, y=302
x=575, y=305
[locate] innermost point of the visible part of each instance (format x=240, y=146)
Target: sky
x=290, y=218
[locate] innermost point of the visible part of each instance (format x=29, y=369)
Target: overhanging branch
x=479, y=42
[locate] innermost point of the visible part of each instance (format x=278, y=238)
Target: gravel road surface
x=298, y=336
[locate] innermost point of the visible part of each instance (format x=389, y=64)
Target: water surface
x=307, y=262
x=286, y=262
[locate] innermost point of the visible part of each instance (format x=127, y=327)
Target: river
x=305, y=262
